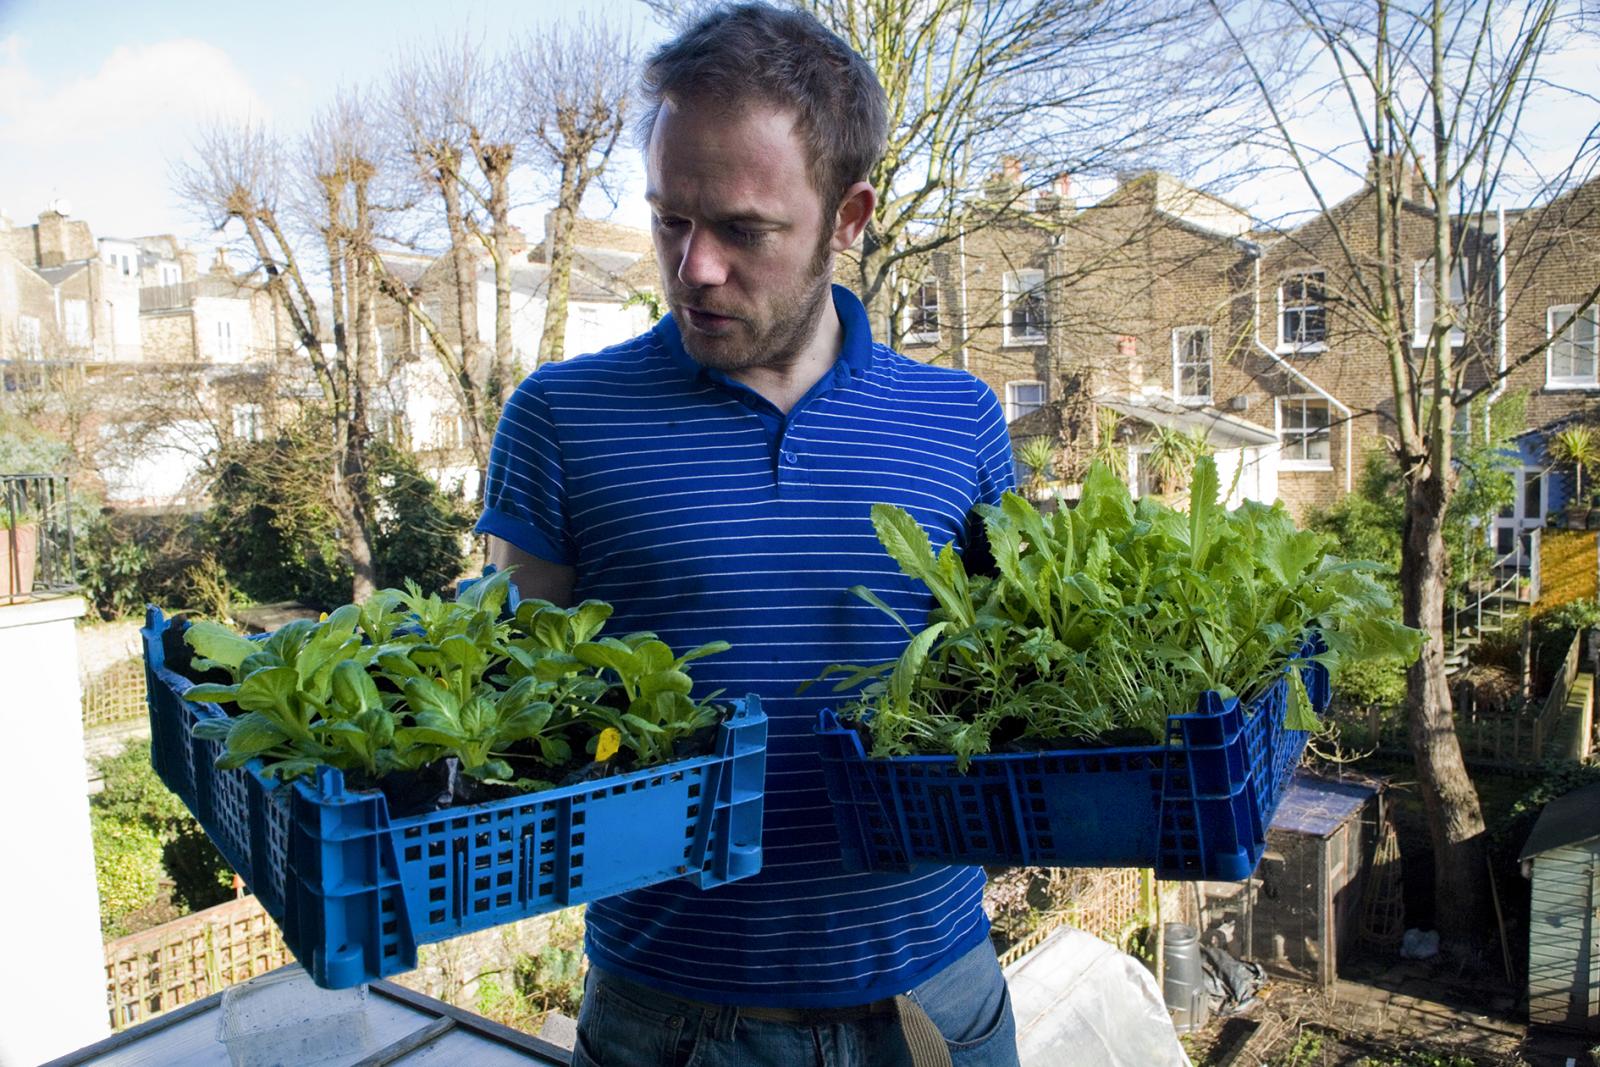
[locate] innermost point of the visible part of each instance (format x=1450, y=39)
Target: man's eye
x=668, y=222
x=745, y=236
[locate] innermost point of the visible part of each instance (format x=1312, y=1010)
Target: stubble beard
x=794, y=323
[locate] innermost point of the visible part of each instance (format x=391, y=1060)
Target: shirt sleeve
x=996, y=470
x=525, y=493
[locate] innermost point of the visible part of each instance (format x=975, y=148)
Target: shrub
x=277, y=538
x=143, y=833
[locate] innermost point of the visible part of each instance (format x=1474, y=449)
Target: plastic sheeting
x=1082, y=1002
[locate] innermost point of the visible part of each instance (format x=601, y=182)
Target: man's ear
x=855, y=211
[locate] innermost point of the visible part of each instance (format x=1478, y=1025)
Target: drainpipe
x=961, y=252
x=1254, y=251
x=1500, y=310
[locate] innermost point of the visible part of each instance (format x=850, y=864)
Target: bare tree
x=575, y=84
x=234, y=176
x=1437, y=91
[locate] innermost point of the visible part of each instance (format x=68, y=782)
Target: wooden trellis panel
x=187, y=959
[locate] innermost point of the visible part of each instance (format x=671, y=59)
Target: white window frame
x=1180, y=337
x=1284, y=343
x=224, y=338
x=29, y=340
x=75, y=322
x=1285, y=461
x=247, y=422
x=1014, y=285
x=917, y=303
x=1014, y=405
x=1554, y=316
x=1423, y=306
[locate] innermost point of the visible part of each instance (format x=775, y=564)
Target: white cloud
x=106, y=140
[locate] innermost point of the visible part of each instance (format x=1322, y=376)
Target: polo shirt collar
x=855, y=350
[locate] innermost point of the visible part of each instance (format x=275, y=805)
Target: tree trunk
x=505, y=374
x=349, y=504
x=1455, y=820
x=553, y=343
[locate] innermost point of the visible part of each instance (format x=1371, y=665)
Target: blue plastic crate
x=356, y=892
x=1196, y=808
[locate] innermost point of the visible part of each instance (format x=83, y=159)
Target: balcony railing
x=36, y=551
x=166, y=297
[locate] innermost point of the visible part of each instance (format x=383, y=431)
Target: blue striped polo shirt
x=702, y=513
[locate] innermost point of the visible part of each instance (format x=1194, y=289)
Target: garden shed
x=1562, y=857
x=1298, y=914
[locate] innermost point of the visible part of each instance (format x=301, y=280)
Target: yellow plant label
x=607, y=744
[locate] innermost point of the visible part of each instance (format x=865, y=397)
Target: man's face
x=740, y=233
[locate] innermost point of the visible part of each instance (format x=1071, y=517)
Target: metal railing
x=37, y=556
x=1521, y=584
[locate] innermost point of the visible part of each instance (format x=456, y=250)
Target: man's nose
x=701, y=261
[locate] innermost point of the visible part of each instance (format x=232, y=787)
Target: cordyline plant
x=1106, y=618
x=404, y=680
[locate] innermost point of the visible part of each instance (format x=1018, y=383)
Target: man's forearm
x=534, y=577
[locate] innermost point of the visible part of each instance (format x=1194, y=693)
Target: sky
x=97, y=99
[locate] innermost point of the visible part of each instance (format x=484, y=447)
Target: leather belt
x=821, y=1016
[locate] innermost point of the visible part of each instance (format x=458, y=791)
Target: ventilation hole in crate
x=480, y=840
x=503, y=878
x=547, y=867
x=694, y=790
x=546, y=888
x=435, y=849
x=547, y=825
x=503, y=900
x=694, y=809
x=391, y=951
x=575, y=881
x=577, y=818
x=436, y=895
x=688, y=831
x=436, y=916
x=577, y=839
x=480, y=906
x=481, y=861
x=546, y=847
x=390, y=927
x=480, y=885
x=413, y=853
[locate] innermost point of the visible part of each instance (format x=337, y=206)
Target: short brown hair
x=754, y=53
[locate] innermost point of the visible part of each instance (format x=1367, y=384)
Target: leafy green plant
x=407, y=679
x=1305, y=1052
x=1109, y=617
x=1172, y=455
x=1578, y=446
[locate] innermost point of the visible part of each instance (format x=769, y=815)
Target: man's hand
x=534, y=577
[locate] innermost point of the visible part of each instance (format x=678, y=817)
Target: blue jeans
x=624, y=1024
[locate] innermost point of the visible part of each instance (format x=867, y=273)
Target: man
x=713, y=479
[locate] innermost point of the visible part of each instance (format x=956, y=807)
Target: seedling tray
x=1196, y=808
x=357, y=891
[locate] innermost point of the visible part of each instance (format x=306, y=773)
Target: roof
x=1319, y=806
x=1220, y=429
x=57, y=275
x=405, y=1028
x=1566, y=820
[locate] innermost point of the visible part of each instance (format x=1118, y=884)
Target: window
x=28, y=337
x=1304, y=321
x=1023, y=398
x=1191, y=364
x=1023, y=291
x=170, y=274
x=1570, y=359
x=127, y=267
x=922, y=313
x=1422, y=289
x=225, y=340
x=247, y=422
x=1303, y=429
x=76, y=313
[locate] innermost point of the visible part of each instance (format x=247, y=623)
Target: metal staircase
x=1515, y=585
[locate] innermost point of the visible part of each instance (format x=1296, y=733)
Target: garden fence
x=1107, y=903
x=115, y=695
x=190, y=958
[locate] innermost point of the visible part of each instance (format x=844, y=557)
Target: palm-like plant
x=1037, y=454
x=1107, y=449
x=1578, y=446
x=1172, y=455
